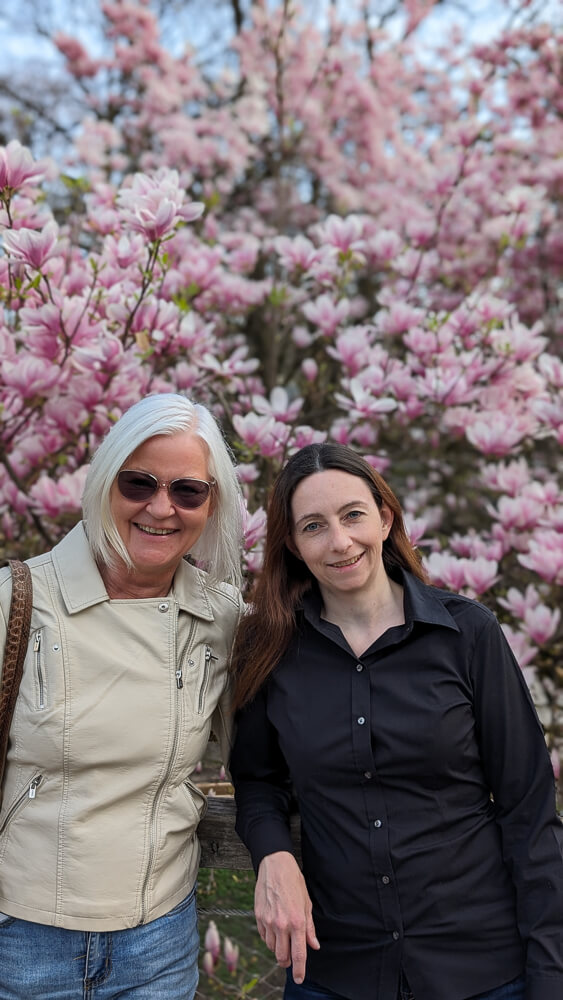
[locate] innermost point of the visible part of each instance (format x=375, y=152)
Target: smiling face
x=338, y=532
x=155, y=532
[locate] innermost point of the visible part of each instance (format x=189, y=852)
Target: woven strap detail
x=15, y=650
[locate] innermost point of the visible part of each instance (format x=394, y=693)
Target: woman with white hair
x=124, y=680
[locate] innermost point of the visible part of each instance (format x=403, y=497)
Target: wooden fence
x=220, y=844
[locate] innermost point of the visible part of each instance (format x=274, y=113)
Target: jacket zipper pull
x=179, y=681
x=37, y=642
x=209, y=654
x=33, y=786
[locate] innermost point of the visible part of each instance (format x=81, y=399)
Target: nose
x=339, y=538
x=160, y=504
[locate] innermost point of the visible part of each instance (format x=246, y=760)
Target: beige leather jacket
x=118, y=698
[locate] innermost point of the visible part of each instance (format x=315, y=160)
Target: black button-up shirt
x=430, y=839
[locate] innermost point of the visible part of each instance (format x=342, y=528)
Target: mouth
x=347, y=562
x=147, y=530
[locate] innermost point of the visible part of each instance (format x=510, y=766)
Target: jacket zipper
x=38, y=670
x=158, y=797
x=209, y=655
x=28, y=793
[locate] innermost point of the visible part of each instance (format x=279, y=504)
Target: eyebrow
x=345, y=506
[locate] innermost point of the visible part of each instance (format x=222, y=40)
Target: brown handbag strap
x=14, y=653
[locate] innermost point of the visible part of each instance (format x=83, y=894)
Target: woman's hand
x=284, y=912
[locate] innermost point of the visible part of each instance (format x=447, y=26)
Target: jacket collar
x=82, y=585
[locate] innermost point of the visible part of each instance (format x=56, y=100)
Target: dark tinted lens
x=188, y=493
x=136, y=486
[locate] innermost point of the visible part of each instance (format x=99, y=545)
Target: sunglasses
x=189, y=494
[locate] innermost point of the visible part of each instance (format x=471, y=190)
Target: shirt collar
x=82, y=585
x=422, y=602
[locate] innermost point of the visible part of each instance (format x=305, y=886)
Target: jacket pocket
x=39, y=667
x=196, y=796
x=21, y=801
x=204, y=683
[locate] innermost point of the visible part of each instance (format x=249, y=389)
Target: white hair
x=218, y=549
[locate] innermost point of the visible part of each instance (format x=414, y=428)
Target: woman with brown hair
x=396, y=716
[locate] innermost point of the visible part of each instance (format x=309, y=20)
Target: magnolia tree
x=329, y=236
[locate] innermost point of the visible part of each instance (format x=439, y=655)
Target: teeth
x=348, y=562
x=155, y=531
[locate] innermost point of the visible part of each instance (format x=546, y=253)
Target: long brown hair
x=266, y=631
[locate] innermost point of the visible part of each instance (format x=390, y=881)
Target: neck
x=124, y=584
x=372, y=612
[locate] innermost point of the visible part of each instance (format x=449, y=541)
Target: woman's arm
x=519, y=772
x=263, y=796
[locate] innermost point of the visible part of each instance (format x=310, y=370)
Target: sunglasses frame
x=167, y=485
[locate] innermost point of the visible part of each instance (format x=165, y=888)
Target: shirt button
x=359, y=667
x=386, y=880
x=361, y=720
x=163, y=607
x=368, y=774
x=396, y=935
x=377, y=823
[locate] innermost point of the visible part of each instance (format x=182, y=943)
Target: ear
x=387, y=517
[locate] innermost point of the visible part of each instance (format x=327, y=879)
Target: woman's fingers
x=284, y=912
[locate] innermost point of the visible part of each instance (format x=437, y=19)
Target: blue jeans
x=311, y=991
x=155, y=961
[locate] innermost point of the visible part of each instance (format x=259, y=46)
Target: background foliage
x=322, y=220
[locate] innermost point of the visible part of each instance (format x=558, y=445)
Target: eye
x=353, y=515
x=311, y=526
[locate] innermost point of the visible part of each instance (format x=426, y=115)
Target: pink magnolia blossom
x=508, y=477
x=253, y=560
x=254, y=527
x=247, y=472
x=296, y=252
x=154, y=205
x=497, y=435
x=212, y=941
x=352, y=348
x=416, y=528
x=385, y=244
x=446, y=570
x=278, y=405
x=398, y=318
x=208, y=963
x=541, y=623
x=33, y=248
x=30, y=376
x=481, y=574
x=520, y=646
x=272, y=444
x=518, y=341
x=362, y=402
x=523, y=512
x=252, y=427
x=380, y=463
x=551, y=368
x=17, y=168
x=344, y=234
x=517, y=602
x=56, y=496
x=545, y=555
x=326, y=313
x=310, y=369
x=231, y=953
x=304, y=435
